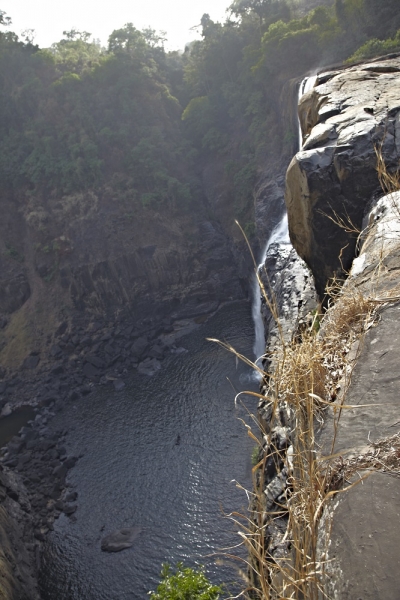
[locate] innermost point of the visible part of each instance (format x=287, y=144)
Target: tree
x=4, y=19
x=75, y=53
x=127, y=39
x=266, y=10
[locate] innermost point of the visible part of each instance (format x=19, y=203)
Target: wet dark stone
x=62, y=328
x=49, y=398
x=70, y=462
x=13, y=494
x=31, y=362
x=95, y=361
x=138, y=347
x=71, y=496
x=91, y=372
x=156, y=351
x=118, y=384
x=31, y=444
x=60, y=471
x=69, y=509
x=55, y=350
x=15, y=446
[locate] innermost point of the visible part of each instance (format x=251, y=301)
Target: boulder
x=31, y=362
x=149, y=367
x=6, y=410
x=91, y=372
x=118, y=384
x=138, y=347
x=120, y=539
x=95, y=361
x=333, y=178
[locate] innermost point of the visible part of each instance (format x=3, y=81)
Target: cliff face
x=347, y=116
x=103, y=260
x=332, y=182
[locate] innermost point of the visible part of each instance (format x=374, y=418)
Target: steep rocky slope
x=333, y=193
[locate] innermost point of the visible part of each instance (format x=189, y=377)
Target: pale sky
x=49, y=18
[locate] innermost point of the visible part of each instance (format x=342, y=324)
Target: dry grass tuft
x=383, y=455
x=390, y=182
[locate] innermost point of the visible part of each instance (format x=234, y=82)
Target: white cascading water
x=280, y=234
x=306, y=85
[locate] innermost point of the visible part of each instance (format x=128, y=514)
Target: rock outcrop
x=364, y=521
x=333, y=181
x=334, y=193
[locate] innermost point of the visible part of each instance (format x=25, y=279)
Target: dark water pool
x=160, y=455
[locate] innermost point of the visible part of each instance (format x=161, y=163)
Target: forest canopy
x=143, y=123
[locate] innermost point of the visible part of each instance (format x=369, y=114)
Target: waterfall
x=305, y=86
x=280, y=234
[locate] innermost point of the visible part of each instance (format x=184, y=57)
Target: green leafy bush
x=185, y=584
x=376, y=47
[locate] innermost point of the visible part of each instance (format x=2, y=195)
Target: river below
x=160, y=455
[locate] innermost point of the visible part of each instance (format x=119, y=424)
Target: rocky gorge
x=119, y=304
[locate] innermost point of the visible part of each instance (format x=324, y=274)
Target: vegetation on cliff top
x=141, y=125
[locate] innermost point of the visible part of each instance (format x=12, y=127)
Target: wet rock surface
x=290, y=288
x=344, y=117
x=289, y=285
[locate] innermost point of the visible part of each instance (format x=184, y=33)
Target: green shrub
x=185, y=584
x=255, y=455
x=374, y=48
x=13, y=253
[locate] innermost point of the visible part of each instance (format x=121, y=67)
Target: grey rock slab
x=120, y=539
x=374, y=390
x=365, y=538
x=366, y=523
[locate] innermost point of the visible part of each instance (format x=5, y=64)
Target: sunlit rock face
x=333, y=179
